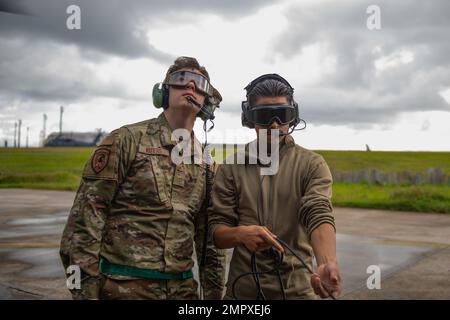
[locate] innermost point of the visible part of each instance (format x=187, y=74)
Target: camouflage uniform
x=136, y=208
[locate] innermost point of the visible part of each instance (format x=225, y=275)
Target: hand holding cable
x=257, y=238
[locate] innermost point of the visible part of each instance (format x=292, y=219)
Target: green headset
x=245, y=105
x=160, y=96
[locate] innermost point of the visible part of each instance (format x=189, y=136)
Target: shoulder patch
x=104, y=161
x=100, y=159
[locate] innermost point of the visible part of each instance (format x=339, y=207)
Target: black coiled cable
x=278, y=258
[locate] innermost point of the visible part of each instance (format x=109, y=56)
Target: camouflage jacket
x=135, y=207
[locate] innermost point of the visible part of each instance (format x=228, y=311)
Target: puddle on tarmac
x=57, y=218
x=356, y=253
x=45, y=263
x=37, y=226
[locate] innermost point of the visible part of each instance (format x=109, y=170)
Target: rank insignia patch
x=100, y=160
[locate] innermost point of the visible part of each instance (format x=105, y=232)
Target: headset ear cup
x=248, y=124
x=244, y=119
x=157, y=95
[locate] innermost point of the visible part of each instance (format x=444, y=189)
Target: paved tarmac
x=411, y=249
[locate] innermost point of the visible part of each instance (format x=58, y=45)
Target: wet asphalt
x=31, y=223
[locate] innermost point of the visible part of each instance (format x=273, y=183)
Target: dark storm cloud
x=49, y=72
x=113, y=26
x=37, y=64
x=41, y=60
x=13, y=6
x=356, y=93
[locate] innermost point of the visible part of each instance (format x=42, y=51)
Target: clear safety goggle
x=265, y=114
x=182, y=78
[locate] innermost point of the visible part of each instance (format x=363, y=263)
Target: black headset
x=245, y=105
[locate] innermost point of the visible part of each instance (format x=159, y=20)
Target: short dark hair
x=270, y=88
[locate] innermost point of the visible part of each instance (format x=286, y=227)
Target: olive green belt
x=111, y=268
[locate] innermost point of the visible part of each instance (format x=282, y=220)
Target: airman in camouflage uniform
x=137, y=215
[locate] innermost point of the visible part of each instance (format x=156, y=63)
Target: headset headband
x=273, y=76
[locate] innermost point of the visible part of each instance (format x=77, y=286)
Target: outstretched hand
x=327, y=280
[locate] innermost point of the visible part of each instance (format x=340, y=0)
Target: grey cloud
x=14, y=7
x=38, y=65
x=114, y=26
x=372, y=95
x=50, y=73
x=335, y=106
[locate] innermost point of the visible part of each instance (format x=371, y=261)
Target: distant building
x=74, y=139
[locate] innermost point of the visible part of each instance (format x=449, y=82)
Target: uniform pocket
x=146, y=181
x=142, y=175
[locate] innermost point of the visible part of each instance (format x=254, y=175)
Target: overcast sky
x=388, y=88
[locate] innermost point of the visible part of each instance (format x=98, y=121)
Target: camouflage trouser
x=153, y=289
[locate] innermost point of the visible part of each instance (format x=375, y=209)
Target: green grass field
x=42, y=168
x=60, y=169
x=423, y=198
x=387, y=161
